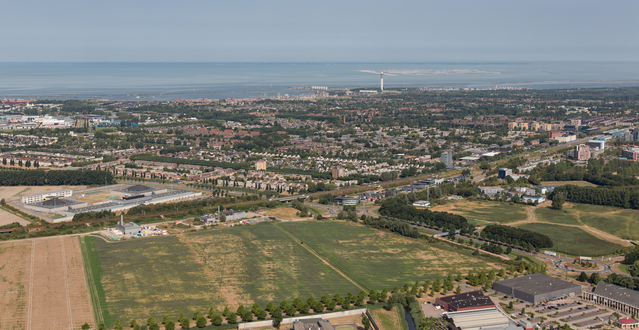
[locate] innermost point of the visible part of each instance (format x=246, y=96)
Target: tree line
x=397, y=207
x=55, y=178
x=517, y=236
x=619, y=197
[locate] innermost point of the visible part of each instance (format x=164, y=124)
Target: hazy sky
x=322, y=31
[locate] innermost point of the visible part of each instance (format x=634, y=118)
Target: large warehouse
x=536, y=288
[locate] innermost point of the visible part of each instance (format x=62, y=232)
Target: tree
x=582, y=277
x=118, y=325
x=216, y=319
x=558, y=201
x=201, y=322
x=86, y=326
x=366, y=322
x=133, y=323
x=101, y=326
x=170, y=325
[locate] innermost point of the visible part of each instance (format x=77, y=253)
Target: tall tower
x=381, y=82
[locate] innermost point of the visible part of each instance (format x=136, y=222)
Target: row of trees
x=517, y=236
x=55, y=178
x=619, y=197
x=395, y=226
x=398, y=295
x=398, y=207
x=26, y=164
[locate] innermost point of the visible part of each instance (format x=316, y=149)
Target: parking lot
x=571, y=311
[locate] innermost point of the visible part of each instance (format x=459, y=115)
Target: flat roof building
x=465, y=301
x=129, y=228
x=614, y=296
x=35, y=198
x=490, y=318
x=536, y=288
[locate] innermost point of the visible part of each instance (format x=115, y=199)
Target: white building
x=35, y=198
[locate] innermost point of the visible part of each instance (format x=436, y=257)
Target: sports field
x=485, y=210
x=380, y=259
x=573, y=240
x=153, y=277
x=623, y=223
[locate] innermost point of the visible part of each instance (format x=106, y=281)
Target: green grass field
x=568, y=215
x=261, y=263
x=623, y=223
x=573, y=240
x=486, y=210
x=157, y=276
x=151, y=277
x=380, y=259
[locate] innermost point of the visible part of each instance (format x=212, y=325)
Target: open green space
x=573, y=240
x=623, y=223
x=485, y=210
x=169, y=275
x=380, y=259
x=151, y=277
x=567, y=215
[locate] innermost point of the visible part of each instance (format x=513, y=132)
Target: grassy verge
x=93, y=271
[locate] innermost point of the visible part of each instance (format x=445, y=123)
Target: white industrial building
x=36, y=198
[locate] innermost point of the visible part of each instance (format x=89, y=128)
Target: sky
x=318, y=31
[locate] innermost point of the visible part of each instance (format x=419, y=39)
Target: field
x=97, y=198
x=43, y=285
x=574, y=183
x=283, y=213
x=13, y=192
x=379, y=259
x=389, y=320
x=623, y=223
x=7, y=218
x=573, y=240
x=240, y=265
x=568, y=215
x=485, y=210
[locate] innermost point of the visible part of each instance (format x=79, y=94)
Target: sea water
x=166, y=81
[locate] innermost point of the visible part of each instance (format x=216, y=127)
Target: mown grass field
x=573, y=240
x=381, y=259
x=261, y=263
x=623, y=223
x=150, y=277
x=485, y=210
x=568, y=215
x=157, y=276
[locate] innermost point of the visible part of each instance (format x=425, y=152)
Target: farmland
x=379, y=259
x=485, y=210
x=573, y=240
x=157, y=276
x=240, y=265
x=43, y=285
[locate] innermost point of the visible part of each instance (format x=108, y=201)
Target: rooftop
x=468, y=299
x=537, y=284
x=617, y=293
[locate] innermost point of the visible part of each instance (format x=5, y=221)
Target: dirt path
x=323, y=259
x=531, y=215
